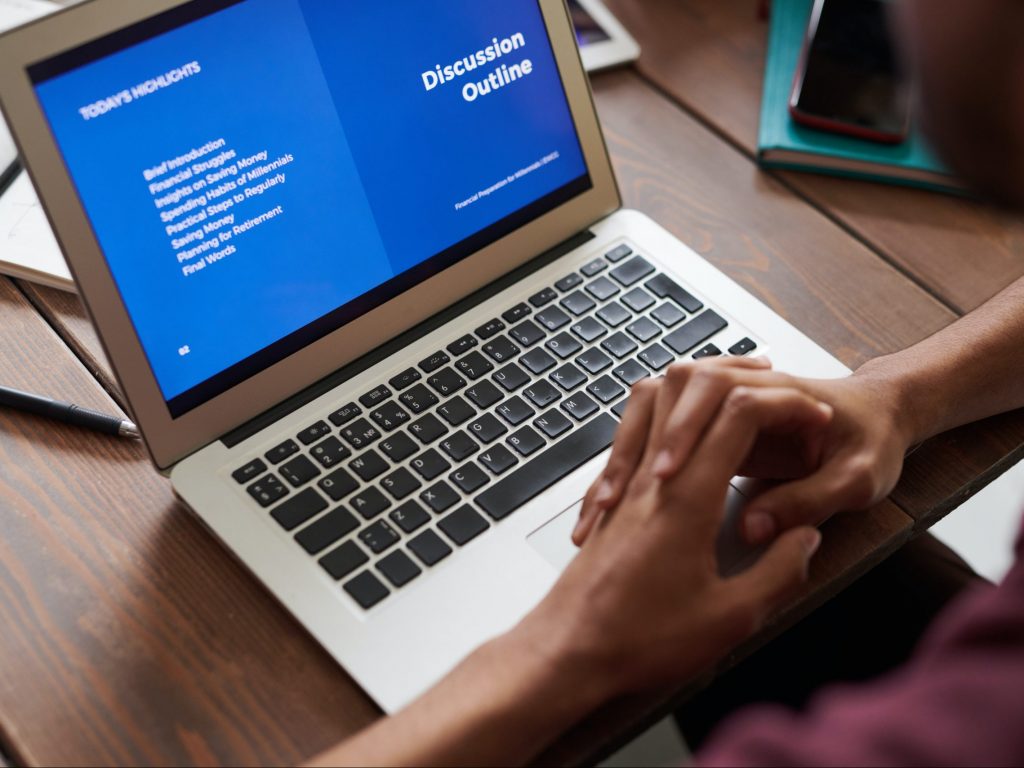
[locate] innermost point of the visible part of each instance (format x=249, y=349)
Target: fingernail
x=760, y=526
x=812, y=540
x=662, y=463
x=826, y=409
x=604, y=492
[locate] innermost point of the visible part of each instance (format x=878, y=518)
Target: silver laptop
x=364, y=277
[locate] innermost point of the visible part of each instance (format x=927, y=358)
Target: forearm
x=501, y=706
x=968, y=371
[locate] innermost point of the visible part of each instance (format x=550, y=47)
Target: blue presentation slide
x=256, y=169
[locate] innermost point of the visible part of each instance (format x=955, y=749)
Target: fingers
x=841, y=484
x=629, y=445
x=776, y=577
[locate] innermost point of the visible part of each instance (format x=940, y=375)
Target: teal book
x=782, y=143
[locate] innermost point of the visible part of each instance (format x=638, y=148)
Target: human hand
x=643, y=603
x=851, y=463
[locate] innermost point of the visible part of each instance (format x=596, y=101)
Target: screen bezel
x=168, y=439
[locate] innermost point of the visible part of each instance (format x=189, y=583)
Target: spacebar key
x=505, y=497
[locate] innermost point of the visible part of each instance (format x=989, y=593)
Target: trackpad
x=553, y=541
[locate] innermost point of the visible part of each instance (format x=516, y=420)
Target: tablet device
x=603, y=41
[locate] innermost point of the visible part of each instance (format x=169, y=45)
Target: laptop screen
x=259, y=173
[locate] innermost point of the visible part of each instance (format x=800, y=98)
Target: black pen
x=68, y=413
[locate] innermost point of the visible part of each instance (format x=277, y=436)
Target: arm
x=967, y=371
x=651, y=566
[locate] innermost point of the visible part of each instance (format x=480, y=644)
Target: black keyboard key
x=588, y=329
x=511, y=377
x=542, y=394
x=456, y=411
x=517, y=313
x=474, y=365
x=398, y=446
x=345, y=414
x=299, y=508
x=668, y=315
x=527, y=333
x=664, y=287
x=267, y=490
x=580, y=406
x=409, y=517
x=428, y=429
x=638, y=300
x=630, y=372
x=490, y=328
x=375, y=397
x=311, y=434
x=390, y=416
x=487, y=428
x=463, y=345
x=469, y=477
x=553, y=423
x=405, y=379
x=618, y=254
x=619, y=345
x=400, y=483
x=435, y=361
x=360, y=433
x=526, y=441
x=366, y=590
x=568, y=282
x=369, y=503
x=330, y=452
x=398, y=568
x=594, y=267
x=656, y=357
x=695, y=332
x=463, y=525
x=553, y=318
x=369, y=465
x=536, y=361
x=498, y=459
x=338, y=484
x=742, y=347
x=632, y=271
x=602, y=289
x=343, y=560
x=515, y=411
x=709, y=350
x=501, y=349
x=430, y=464
x=327, y=530
x=484, y=394
x=510, y=493
x=620, y=407
x=614, y=315
x=418, y=399
x=643, y=330
x=429, y=548
x=593, y=361
x=563, y=345
x=440, y=497
x=249, y=472
x=299, y=471
x=543, y=297
x=568, y=377
x=606, y=389
x=578, y=303
x=446, y=382
x=378, y=537
x=279, y=453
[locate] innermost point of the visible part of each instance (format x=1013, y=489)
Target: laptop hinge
x=386, y=350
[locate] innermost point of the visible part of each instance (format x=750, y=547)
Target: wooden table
x=130, y=635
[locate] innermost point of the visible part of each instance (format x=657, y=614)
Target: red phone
x=849, y=80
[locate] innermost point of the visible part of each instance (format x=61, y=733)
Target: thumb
x=778, y=574
x=808, y=501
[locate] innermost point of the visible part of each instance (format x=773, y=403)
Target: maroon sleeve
x=960, y=700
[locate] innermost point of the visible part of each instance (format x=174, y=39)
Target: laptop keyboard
x=382, y=489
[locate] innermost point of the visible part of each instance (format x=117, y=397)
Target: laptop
x=364, y=276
